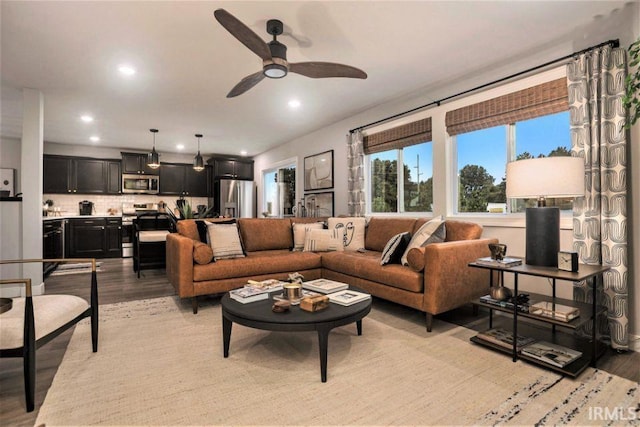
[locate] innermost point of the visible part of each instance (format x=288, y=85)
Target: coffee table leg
x=359, y=326
x=323, y=341
x=226, y=334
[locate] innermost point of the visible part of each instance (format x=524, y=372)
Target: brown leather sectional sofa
x=445, y=282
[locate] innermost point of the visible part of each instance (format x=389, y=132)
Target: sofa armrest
x=448, y=280
x=179, y=265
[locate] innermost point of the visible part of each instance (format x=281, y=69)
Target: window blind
x=541, y=100
x=398, y=137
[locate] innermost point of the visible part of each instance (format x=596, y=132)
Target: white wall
x=509, y=231
x=10, y=157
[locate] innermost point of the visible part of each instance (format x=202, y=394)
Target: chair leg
x=429, y=321
x=29, y=356
x=476, y=309
x=194, y=305
x=94, y=311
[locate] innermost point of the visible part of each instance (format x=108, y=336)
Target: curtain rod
x=614, y=44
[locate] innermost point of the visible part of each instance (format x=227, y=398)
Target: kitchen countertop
x=68, y=216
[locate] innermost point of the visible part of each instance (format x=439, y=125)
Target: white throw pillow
x=225, y=241
x=323, y=241
x=432, y=231
x=353, y=231
x=300, y=232
x=394, y=248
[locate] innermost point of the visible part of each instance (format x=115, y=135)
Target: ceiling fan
x=274, y=56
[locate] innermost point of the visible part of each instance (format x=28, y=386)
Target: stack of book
x=564, y=313
x=348, y=297
x=524, y=307
x=552, y=354
x=325, y=286
x=504, y=262
x=270, y=285
x=248, y=294
x=504, y=338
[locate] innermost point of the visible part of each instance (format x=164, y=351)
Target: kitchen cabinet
x=80, y=175
x=232, y=168
x=136, y=163
x=182, y=180
x=53, y=244
x=95, y=237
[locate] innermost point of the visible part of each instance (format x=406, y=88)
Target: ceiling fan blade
x=246, y=84
x=243, y=33
x=319, y=70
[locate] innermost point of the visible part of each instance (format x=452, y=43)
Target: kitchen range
x=129, y=212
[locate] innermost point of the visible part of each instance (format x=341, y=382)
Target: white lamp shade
x=549, y=177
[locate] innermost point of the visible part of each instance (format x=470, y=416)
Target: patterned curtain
x=596, y=86
x=355, y=163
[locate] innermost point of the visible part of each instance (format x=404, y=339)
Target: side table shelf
x=537, y=327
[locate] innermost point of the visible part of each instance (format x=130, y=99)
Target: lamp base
x=543, y=236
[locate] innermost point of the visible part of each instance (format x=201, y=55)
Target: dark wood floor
x=118, y=283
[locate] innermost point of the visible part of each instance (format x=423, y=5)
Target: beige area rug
x=158, y=364
x=75, y=268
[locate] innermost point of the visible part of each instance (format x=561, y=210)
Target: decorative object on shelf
x=552, y=354
x=316, y=303
x=504, y=338
x=296, y=278
x=541, y=178
x=292, y=291
x=504, y=262
x=318, y=171
x=568, y=261
x=498, y=250
x=274, y=56
x=153, y=159
x=500, y=293
x=631, y=100
x=318, y=204
x=348, y=297
x=564, y=313
x=198, y=162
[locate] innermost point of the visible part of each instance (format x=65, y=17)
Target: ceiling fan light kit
x=153, y=159
x=274, y=56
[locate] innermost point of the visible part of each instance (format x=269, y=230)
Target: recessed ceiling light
x=243, y=153
x=294, y=103
x=126, y=70
x=180, y=146
x=94, y=138
x=86, y=118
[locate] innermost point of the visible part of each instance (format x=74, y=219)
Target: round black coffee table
x=258, y=315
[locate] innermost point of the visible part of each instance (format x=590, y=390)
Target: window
x=409, y=189
x=482, y=156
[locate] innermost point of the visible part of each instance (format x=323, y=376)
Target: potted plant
x=631, y=100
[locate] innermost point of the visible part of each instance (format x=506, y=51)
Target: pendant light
x=198, y=163
x=153, y=160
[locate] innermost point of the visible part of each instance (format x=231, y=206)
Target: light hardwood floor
x=118, y=283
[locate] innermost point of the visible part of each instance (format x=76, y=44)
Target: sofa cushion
x=259, y=234
x=202, y=253
x=300, y=231
x=394, y=248
x=188, y=228
x=380, y=230
x=415, y=258
x=367, y=266
x=431, y=232
x=323, y=240
x=225, y=241
x=462, y=230
x=353, y=229
x=258, y=263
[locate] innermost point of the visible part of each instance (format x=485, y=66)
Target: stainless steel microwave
x=140, y=184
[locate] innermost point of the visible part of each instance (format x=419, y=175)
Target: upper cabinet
x=64, y=175
x=232, y=168
x=136, y=163
x=182, y=180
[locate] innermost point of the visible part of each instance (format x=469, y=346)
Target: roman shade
x=398, y=137
x=541, y=100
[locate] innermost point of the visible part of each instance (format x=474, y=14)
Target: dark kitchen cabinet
x=53, y=244
x=114, y=177
x=182, y=180
x=95, y=238
x=136, y=163
x=232, y=168
x=80, y=175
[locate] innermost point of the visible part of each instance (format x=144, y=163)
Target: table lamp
x=542, y=178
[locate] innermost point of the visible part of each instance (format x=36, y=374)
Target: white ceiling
x=187, y=62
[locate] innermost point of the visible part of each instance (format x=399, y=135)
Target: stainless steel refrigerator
x=234, y=198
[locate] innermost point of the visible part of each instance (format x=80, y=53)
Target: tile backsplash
x=68, y=204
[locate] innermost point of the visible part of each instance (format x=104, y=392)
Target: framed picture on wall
x=318, y=204
x=318, y=171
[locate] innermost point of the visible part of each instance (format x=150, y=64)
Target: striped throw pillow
x=300, y=232
x=225, y=241
x=323, y=240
